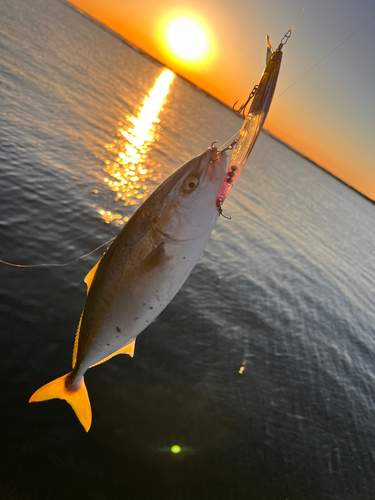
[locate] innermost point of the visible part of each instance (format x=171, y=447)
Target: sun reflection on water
x=128, y=172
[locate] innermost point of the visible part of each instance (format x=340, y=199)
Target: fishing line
x=222, y=147
x=325, y=57
x=229, y=140
x=314, y=66
x=300, y=14
x=57, y=265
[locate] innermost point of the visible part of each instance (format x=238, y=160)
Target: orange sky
x=327, y=115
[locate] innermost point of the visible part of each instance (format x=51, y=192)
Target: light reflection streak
x=128, y=173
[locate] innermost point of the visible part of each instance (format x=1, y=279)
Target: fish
x=141, y=272
x=155, y=252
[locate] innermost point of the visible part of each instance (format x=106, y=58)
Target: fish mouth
x=216, y=167
x=208, y=158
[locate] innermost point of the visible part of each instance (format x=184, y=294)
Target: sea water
x=283, y=293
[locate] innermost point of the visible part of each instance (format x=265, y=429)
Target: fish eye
x=190, y=183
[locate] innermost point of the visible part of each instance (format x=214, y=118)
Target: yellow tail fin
x=78, y=399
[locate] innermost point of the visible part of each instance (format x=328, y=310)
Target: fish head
x=189, y=206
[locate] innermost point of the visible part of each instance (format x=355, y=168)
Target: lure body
x=141, y=272
x=254, y=120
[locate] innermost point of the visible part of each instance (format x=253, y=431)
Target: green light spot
x=175, y=448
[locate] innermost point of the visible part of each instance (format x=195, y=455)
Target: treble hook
x=220, y=210
x=242, y=108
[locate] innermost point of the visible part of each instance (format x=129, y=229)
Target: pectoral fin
x=154, y=259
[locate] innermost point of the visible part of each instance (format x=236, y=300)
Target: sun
x=187, y=39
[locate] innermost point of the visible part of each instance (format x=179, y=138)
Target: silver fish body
x=142, y=270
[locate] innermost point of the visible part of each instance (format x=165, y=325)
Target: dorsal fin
x=75, y=349
x=128, y=349
x=90, y=276
x=88, y=280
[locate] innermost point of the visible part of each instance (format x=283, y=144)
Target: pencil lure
x=141, y=272
x=262, y=96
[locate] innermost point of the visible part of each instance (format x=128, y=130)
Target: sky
x=327, y=114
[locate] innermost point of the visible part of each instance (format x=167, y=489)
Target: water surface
x=284, y=289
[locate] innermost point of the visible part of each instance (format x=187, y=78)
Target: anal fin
x=128, y=349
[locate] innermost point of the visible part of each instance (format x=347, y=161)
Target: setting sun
x=187, y=39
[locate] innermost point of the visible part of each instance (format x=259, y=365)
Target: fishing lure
x=262, y=96
x=152, y=256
